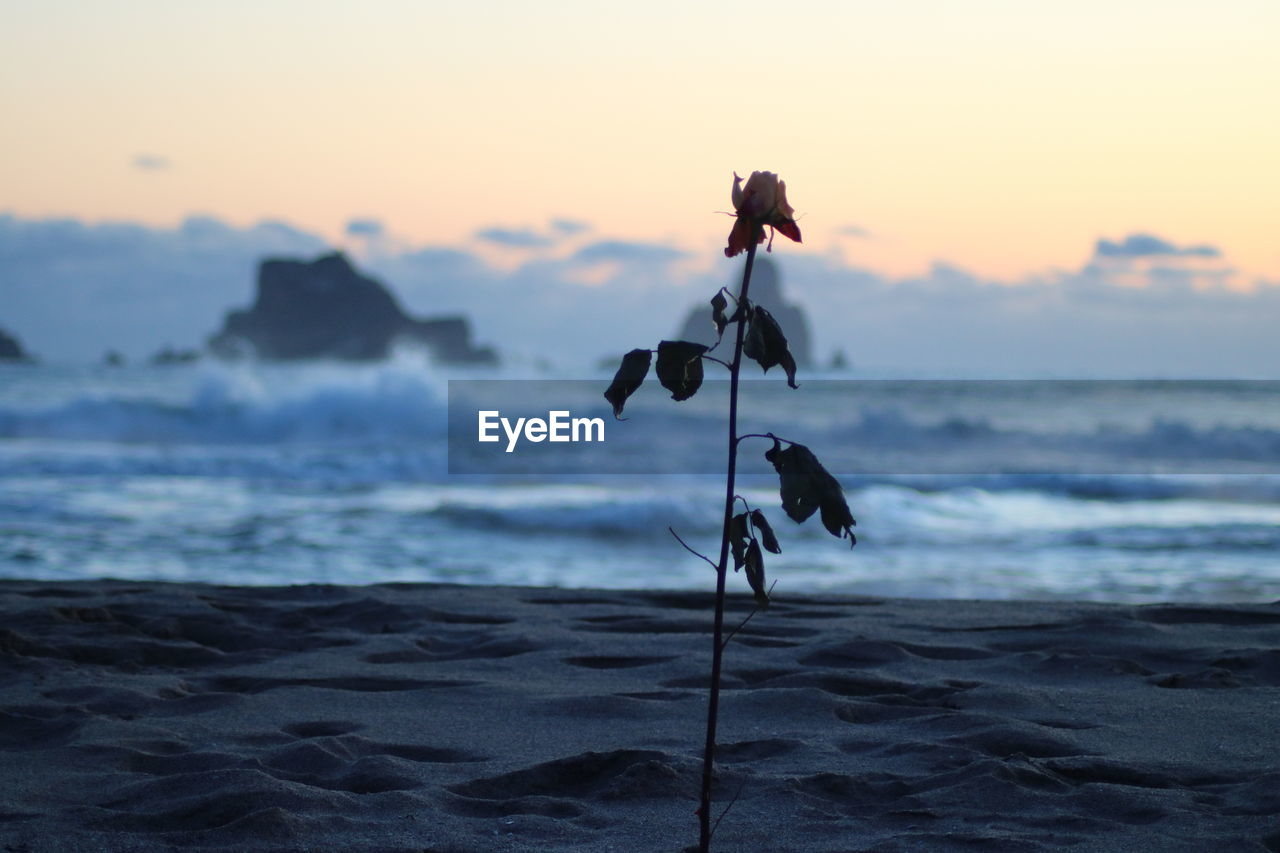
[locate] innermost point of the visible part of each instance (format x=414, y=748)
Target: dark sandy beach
x=152, y=717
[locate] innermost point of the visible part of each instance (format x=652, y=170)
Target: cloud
x=365, y=227
x=514, y=238
x=854, y=231
x=151, y=162
x=627, y=252
x=1094, y=322
x=556, y=232
x=72, y=290
x=570, y=227
x=1150, y=246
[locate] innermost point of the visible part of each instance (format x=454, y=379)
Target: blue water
x=339, y=474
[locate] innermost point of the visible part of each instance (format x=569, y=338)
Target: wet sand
x=150, y=717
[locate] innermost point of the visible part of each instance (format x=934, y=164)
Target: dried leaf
x=738, y=536
x=633, y=370
x=806, y=487
x=718, y=304
x=761, y=524
x=755, y=573
x=766, y=344
x=800, y=499
x=680, y=367
x=837, y=518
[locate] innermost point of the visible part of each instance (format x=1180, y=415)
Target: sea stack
x=766, y=291
x=325, y=308
x=11, y=351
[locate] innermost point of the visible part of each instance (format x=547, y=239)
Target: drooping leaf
x=800, y=498
x=761, y=524
x=631, y=373
x=755, y=573
x=680, y=367
x=718, y=304
x=806, y=487
x=767, y=345
x=738, y=536
x=837, y=518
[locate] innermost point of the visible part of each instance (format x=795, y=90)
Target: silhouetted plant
x=805, y=486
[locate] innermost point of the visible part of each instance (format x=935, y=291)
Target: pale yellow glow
x=1000, y=136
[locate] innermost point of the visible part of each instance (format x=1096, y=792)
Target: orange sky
x=1004, y=137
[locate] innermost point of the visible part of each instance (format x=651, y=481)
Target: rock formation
x=167, y=356
x=326, y=309
x=766, y=290
x=11, y=350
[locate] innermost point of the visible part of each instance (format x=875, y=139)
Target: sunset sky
x=1002, y=137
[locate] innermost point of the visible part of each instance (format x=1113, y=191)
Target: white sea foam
x=243, y=404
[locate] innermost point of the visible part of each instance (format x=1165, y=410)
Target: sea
x=1127, y=490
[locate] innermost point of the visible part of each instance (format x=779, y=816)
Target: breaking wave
x=248, y=405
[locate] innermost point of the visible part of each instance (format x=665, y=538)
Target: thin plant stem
x=765, y=435
x=722, y=568
x=727, y=808
x=744, y=622
x=689, y=549
x=716, y=360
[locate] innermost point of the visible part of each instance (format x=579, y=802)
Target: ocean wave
x=1179, y=441
x=888, y=515
x=218, y=411
x=248, y=404
x=1120, y=488
x=579, y=510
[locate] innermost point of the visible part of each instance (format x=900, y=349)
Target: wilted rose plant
x=805, y=486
